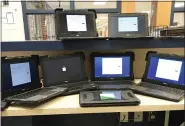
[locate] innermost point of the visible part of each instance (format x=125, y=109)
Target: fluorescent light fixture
x=100, y=2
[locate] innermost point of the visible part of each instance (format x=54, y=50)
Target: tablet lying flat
x=108, y=98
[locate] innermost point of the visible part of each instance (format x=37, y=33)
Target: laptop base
x=114, y=85
x=77, y=87
x=37, y=96
x=157, y=93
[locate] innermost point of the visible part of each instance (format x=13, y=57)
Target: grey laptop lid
x=62, y=70
x=130, y=25
x=75, y=23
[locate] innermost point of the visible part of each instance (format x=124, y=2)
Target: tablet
x=130, y=25
x=108, y=98
x=75, y=23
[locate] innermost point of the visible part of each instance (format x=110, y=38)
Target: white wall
x=12, y=28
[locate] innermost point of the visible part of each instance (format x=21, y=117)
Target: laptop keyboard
x=43, y=91
x=163, y=88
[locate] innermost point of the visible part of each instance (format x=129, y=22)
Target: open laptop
x=163, y=77
x=75, y=23
x=66, y=71
x=128, y=25
x=21, y=82
x=112, y=70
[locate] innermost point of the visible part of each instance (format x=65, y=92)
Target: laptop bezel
x=46, y=58
x=129, y=34
x=93, y=78
x=71, y=34
x=165, y=56
x=34, y=84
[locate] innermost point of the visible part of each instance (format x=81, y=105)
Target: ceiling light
x=100, y=2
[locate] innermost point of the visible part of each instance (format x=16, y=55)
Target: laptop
x=66, y=71
x=128, y=25
x=112, y=70
x=21, y=82
x=163, y=77
x=108, y=98
x=75, y=24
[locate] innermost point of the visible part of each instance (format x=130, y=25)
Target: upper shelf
x=106, y=43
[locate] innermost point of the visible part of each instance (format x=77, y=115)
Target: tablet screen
x=110, y=95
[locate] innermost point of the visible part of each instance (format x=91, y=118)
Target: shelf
x=31, y=46
x=94, y=44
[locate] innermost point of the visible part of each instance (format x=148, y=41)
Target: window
x=144, y=7
x=39, y=16
x=179, y=4
x=177, y=14
x=102, y=25
x=42, y=27
x=178, y=19
x=47, y=5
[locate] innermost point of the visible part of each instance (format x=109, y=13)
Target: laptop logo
x=64, y=68
x=165, y=83
x=112, y=78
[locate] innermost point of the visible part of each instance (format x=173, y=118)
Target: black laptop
x=112, y=70
x=75, y=23
x=163, y=77
x=66, y=71
x=21, y=82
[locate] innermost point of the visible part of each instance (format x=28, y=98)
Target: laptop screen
x=112, y=66
x=128, y=25
x=166, y=70
x=18, y=75
x=78, y=25
x=60, y=70
x=75, y=23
